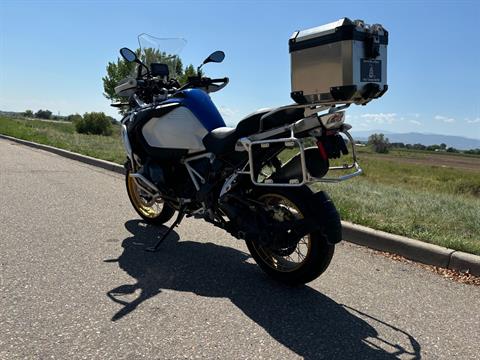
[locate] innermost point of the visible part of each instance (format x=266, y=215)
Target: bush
x=74, y=118
x=43, y=114
x=94, y=123
x=379, y=143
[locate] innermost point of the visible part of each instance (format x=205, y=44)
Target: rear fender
x=325, y=211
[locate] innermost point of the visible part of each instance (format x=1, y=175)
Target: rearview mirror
x=216, y=56
x=128, y=55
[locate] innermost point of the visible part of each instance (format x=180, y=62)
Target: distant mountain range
x=458, y=142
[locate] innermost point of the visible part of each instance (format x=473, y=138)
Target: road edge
x=107, y=165
x=411, y=249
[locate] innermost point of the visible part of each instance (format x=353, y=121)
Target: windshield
x=162, y=50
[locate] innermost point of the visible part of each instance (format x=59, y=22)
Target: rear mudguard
x=327, y=215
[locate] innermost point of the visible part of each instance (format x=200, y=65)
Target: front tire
x=312, y=254
x=153, y=212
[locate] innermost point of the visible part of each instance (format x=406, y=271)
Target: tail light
x=333, y=121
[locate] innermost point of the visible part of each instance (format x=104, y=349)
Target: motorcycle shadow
x=302, y=319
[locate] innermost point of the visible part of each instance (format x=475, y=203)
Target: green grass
x=421, y=177
x=63, y=135
x=429, y=202
x=432, y=177
x=444, y=219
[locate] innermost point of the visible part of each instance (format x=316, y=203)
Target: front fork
x=127, y=146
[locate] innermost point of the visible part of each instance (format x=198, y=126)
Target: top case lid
x=343, y=29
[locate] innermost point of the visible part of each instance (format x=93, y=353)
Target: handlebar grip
x=225, y=79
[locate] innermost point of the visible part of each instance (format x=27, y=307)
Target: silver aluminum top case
x=341, y=62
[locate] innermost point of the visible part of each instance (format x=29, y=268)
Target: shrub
x=43, y=114
x=379, y=143
x=96, y=123
x=74, y=118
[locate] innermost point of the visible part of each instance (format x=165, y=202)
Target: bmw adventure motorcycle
x=250, y=180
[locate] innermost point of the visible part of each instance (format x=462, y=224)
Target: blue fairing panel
x=200, y=104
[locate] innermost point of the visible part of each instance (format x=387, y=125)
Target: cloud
x=473, y=121
x=416, y=122
x=380, y=118
x=445, y=119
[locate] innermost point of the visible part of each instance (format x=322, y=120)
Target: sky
x=53, y=55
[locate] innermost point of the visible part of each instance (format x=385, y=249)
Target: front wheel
x=312, y=253
x=155, y=212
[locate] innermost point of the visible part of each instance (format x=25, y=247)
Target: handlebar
x=144, y=90
x=225, y=79
x=205, y=82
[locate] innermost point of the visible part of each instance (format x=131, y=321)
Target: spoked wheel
x=299, y=263
x=153, y=211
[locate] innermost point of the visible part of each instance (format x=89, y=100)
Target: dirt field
x=442, y=160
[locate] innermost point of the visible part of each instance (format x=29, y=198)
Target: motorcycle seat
x=223, y=139
x=222, y=132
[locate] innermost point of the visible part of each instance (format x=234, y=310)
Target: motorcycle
x=250, y=180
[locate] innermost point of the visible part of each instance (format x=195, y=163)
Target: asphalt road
x=75, y=283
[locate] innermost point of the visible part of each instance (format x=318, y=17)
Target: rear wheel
x=312, y=254
x=153, y=211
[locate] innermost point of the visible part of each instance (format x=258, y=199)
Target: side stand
x=177, y=221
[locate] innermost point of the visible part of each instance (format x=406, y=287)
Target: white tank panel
x=179, y=129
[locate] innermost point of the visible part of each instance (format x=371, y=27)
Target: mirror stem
x=139, y=72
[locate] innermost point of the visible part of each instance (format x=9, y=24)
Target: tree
x=43, y=114
x=28, y=113
x=112, y=120
x=74, y=117
x=96, y=123
x=472, y=151
x=379, y=143
x=189, y=71
x=119, y=70
x=443, y=146
x=419, y=147
x=433, y=147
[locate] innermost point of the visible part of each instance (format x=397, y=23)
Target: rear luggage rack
x=300, y=172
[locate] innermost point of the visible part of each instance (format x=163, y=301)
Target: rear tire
x=156, y=212
x=313, y=252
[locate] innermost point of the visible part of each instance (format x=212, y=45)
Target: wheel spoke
x=147, y=208
x=284, y=210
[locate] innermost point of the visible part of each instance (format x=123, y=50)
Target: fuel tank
x=182, y=122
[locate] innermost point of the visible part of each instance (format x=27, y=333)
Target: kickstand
x=177, y=221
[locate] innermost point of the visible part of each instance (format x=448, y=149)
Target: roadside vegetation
x=429, y=215
x=64, y=135
x=425, y=195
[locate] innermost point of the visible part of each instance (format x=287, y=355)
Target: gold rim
x=147, y=208
x=296, y=258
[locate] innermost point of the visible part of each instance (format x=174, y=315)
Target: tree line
x=95, y=123
x=381, y=144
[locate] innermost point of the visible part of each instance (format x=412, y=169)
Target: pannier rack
x=310, y=124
